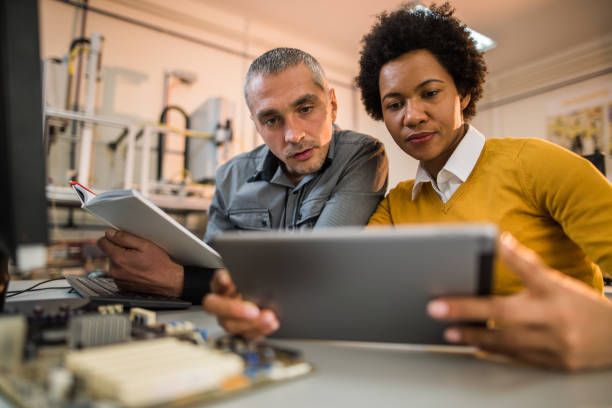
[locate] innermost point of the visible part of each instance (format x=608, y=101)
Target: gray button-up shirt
x=253, y=192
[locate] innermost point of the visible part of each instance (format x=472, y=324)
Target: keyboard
x=104, y=291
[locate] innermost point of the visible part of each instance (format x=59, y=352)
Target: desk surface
x=388, y=376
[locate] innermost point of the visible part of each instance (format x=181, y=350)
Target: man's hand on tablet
x=234, y=314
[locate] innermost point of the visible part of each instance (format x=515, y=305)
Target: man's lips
x=303, y=155
x=421, y=137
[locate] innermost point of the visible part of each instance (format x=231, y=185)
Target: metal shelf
x=65, y=197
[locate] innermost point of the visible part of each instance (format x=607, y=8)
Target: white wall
x=134, y=59
x=555, y=82
x=527, y=117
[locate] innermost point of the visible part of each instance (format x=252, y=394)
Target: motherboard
x=88, y=356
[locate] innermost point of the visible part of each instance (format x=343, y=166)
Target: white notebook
x=130, y=211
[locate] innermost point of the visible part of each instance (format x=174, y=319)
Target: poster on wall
x=582, y=123
x=580, y=131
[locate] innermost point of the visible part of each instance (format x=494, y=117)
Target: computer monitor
x=23, y=218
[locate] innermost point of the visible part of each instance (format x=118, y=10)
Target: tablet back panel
x=348, y=284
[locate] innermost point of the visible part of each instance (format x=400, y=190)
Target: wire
x=31, y=288
x=35, y=290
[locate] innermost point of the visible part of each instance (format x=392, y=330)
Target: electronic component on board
x=133, y=372
x=98, y=329
x=133, y=354
x=142, y=317
x=12, y=341
x=110, y=309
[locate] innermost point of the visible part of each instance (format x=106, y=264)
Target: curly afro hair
x=436, y=30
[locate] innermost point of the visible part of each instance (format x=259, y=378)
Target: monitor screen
x=23, y=223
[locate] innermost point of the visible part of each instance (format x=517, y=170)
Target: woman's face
x=422, y=108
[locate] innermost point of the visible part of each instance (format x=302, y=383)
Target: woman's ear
x=465, y=101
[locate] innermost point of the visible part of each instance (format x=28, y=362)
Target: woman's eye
x=394, y=106
x=431, y=94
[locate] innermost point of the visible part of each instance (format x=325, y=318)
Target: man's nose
x=414, y=114
x=294, y=133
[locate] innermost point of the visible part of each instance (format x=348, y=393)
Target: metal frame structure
x=65, y=196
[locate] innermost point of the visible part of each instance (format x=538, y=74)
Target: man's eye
x=271, y=122
x=305, y=109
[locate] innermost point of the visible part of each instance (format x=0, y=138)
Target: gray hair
x=279, y=59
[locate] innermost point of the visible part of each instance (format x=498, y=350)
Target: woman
x=421, y=73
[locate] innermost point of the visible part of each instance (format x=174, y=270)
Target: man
x=307, y=175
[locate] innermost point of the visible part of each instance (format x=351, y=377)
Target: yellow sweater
x=551, y=200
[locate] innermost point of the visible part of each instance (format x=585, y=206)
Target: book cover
x=130, y=211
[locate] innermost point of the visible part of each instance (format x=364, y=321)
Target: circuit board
x=85, y=356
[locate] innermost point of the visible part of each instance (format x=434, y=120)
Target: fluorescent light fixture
x=483, y=43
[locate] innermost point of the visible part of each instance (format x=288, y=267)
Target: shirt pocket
x=309, y=212
x=250, y=219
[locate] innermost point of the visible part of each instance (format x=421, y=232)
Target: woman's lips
x=304, y=155
x=422, y=137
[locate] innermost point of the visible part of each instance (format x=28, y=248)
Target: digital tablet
x=360, y=285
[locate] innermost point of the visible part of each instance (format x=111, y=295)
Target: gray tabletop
x=360, y=375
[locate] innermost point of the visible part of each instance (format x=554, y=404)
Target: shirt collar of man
x=268, y=168
x=456, y=170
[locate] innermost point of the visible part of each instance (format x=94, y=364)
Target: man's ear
x=333, y=103
x=251, y=116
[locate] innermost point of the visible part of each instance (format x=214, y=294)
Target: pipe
x=161, y=139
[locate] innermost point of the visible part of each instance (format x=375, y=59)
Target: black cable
x=113, y=145
x=15, y=293
x=161, y=139
x=78, y=41
x=75, y=105
x=35, y=290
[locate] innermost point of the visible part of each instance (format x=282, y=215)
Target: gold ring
x=491, y=324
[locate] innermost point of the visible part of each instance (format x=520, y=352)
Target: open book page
x=112, y=195
x=88, y=197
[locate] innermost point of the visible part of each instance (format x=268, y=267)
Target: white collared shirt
x=456, y=170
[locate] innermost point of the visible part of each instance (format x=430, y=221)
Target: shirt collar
x=268, y=167
x=460, y=164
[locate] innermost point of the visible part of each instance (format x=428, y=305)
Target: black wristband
x=196, y=283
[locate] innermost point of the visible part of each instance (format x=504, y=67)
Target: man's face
x=295, y=117
x=422, y=108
